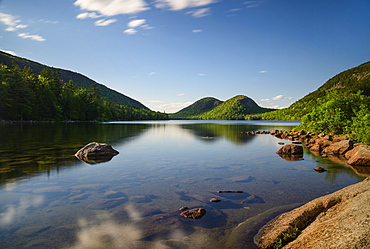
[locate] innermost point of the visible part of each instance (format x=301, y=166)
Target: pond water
x=50, y=199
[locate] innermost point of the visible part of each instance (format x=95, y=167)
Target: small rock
x=195, y=213
x=214, y=200
x=183, y=208
x=281, y=143
x=229, y=191
x=319, y=169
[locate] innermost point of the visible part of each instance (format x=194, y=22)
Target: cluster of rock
x=338, y=220
x=322, y=144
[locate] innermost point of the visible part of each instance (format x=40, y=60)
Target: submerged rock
x=94, y=153
x=195, y=213
x=319, y=169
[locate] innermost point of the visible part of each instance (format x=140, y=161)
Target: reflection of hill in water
x=234, y=133
x=29, y=149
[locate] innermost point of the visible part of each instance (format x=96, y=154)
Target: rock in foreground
x=96, y=153
x=338, y=220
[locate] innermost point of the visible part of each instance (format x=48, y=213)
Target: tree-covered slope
x=201, y=106
x=78, y=79
x=348, y=82
x=44, y=96
x=235, y=108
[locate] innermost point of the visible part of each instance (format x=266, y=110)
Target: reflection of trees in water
x=232, y=132
x=32, y=148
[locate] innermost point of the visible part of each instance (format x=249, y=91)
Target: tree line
x=25, y=95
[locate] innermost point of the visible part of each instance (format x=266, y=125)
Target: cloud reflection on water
x=12, y=211
x=104, y=231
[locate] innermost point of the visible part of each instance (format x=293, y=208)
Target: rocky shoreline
x=337, y=220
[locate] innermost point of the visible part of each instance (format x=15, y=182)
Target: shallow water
x=49, y=199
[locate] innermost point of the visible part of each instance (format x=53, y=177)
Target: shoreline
x=337, y=220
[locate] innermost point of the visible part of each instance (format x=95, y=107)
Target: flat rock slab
x=338, y=220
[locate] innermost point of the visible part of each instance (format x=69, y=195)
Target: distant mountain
x=199, y=107
x=79, y=79
x=347, y=82
x=235, y=108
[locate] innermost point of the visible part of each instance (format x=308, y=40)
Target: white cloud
x=155, y=101
x=266, y=100
x=12, y=23
x=146, y=26
x=48, y=21
x=275, y=107
x=112, y=7
x=233, y=10
x=262, y=72
x=182, y=4
x=181, y=94
x=280, y=97
x=201, y=74
x=151, y=73
x=252, y=4
x=85, y=15
x=200, y=12
x=197, y=30
x=103, y=22
x=173, y=107
x=32, y=37
x=130, y=31
x=136, y=23
x=9, y=52
x=8, y=20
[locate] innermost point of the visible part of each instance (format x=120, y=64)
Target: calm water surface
x=50, y=199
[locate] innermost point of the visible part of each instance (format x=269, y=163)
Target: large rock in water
x=339, y=148
x=359, y=156
x=96, y=153
x=338, y=220
x=290, y=149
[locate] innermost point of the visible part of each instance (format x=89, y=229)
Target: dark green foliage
x=340, y=106
x=25, y=95
x=350, y=81
x=233, y=109
x=66, y=75
x=199, y=107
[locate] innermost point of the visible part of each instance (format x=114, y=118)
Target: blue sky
x=169, y=53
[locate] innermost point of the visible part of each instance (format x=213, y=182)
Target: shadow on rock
x=94, y=153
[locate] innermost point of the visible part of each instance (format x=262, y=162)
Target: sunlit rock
x=290, y=149
x=94, y=153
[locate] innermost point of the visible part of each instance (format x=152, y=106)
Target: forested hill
x=78, y=79
x=45, y=96
x=351, y=81
x=199, y=107
x=235, y=108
